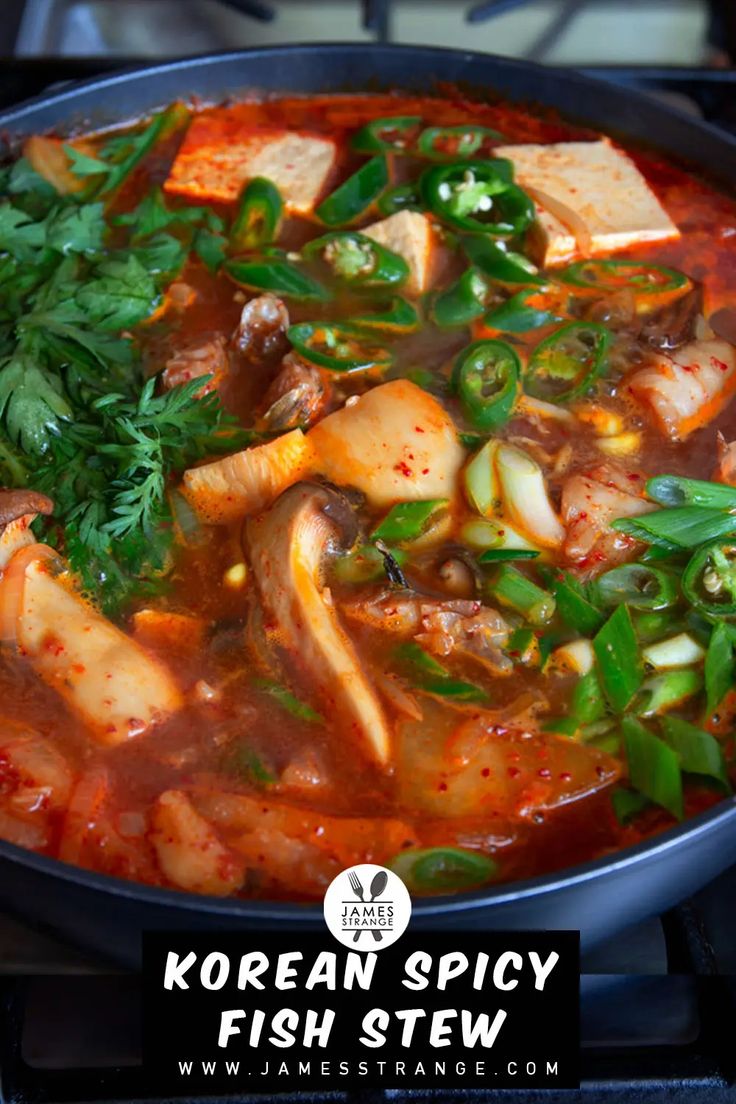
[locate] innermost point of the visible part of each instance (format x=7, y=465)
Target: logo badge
x=367, y=907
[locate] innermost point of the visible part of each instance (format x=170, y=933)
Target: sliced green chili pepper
x=276, y=275
x=486, y=378
x=641, y=587
x=500, y=264
x=516, y=316
x=407, y=520
x=654, y=769
x=259, y=214
x=358, y=260
x=619, y=662
x=394, y=134
x=567, y=363
x=463, y=301
x=516, y=591
x=405, y=197
x=443, y=868
x=448, y=143
x=709, y=580
x=477, y=196
x=356, y=195
x=337, y=346
x=399, y=317
x=618, y=275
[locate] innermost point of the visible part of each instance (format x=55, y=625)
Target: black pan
x=598, y=897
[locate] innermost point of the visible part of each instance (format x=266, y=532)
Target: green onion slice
x=654, y=767
x=619, y=663
x=407, y=520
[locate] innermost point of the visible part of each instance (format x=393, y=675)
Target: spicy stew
x=370, y=495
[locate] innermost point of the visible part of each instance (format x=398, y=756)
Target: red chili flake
x=418, y=429
x=565, y=777
x=485, y=772
x=634, y=477
x=513, y=772
x=719, y=364
x=600, y=771
x=442, y=787
x=403, y=468
x=78, y=668
x=425, y=471
x=544, y=772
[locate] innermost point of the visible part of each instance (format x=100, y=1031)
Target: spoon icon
x=377, y=886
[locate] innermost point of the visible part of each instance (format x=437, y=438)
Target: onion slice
x=525, y=496
x=569, y=218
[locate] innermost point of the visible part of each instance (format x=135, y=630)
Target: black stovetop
x=658, y=1002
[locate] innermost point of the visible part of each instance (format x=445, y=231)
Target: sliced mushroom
x=288, y=546
x=14, y=504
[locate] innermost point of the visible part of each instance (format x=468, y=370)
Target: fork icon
x=359, y=892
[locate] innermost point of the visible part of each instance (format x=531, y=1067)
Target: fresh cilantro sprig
x=77, y=419
x=108, y=476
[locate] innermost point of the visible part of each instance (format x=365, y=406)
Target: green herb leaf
x=121, y=295
x=31, y=402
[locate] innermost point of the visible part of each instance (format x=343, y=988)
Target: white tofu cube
x=610, y=204
x=214, y=163
x=412, y=236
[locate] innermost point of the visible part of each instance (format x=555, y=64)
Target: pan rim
x=198, y=61
x=639, y=855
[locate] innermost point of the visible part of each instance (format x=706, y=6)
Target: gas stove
x=658, y=1005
